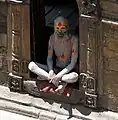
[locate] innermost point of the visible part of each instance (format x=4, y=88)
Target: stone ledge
x=46, y=115
x=6, y=115
x=40, y=108
x=19, y=109
x=5, y=94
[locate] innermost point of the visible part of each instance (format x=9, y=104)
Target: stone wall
x=110, y=60
x=105, y=41
x=110, y=53
x=3, y=43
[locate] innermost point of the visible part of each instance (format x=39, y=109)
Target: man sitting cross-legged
x=65, y=47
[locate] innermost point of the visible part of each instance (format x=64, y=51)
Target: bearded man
x=64, y=46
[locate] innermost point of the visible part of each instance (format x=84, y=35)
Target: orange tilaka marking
x=49, y=50
x=72, y=43
x=59, y=24
x=73, y=52
x=63, y=57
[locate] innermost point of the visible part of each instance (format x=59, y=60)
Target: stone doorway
x=42, y=26
x=23, y=49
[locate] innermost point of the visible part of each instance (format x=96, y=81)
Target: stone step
x=40, y=108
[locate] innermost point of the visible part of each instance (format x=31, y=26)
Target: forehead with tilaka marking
x=61, y=21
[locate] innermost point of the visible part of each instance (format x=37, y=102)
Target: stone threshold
x=41, y=108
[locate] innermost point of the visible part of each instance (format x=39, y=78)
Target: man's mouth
x=60, y=34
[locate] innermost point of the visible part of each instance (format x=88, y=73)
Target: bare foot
x=61, y=88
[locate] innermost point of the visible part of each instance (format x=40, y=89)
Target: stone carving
x=91, y=85
x=90, y=100
x=3, y=50
x=83, y=82
x=18, y=36
x=24, y=66
x=87, y=83
x=15, y=83
x=90, y=7
x=90, y=92
x=15, y=66
x=16, y=44
x=16, y=39
x=3, y=62
x=16, y=26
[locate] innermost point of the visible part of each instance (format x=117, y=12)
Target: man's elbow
x=49, y=58
x=73, y=64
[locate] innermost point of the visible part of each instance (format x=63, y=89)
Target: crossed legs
x=41, y=71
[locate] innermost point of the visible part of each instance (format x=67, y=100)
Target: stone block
x=111, y=82
x=64, y=109
x=5, y=115
x=113, y=45
x=109, y=53
x=41, y=103
x=20, y=109
x=113, y=64
x=4, y=77
x=56, y=107
x=46, y=115
x=3, y=39
x=62, y=117
x=15, y=97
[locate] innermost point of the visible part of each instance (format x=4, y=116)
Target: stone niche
x=98, y=43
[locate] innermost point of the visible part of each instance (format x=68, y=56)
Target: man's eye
x=57, y=28
x=63, y=28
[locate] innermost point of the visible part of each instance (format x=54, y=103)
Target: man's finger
x=50, y=81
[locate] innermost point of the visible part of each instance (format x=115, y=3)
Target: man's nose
x=60, y=30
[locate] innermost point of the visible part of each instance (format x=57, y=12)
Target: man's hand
x=51, y=74
x=55, y=80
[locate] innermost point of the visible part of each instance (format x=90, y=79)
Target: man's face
x=61, y=28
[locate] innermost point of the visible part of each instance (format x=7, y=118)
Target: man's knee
x=74, y=75
x=70, y=78
x=31, y=65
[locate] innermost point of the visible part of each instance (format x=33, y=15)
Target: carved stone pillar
x=89, y=35
x=18, y=44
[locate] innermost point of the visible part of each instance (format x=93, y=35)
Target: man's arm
x=74, y=58
x=50, y=54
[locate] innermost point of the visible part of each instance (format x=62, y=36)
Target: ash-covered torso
x=64, y=48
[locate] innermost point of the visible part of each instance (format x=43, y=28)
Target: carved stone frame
x=18, y=54
x=88, y=79
x=90, y=51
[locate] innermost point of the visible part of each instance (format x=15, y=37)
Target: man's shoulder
x=51, y=38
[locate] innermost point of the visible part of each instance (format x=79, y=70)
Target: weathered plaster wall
x=110, y=57
x=110, y=52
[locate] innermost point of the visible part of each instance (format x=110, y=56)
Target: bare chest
x=62, y=47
